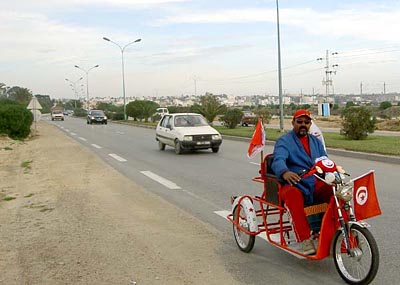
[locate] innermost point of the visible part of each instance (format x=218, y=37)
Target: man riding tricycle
x=307, y=206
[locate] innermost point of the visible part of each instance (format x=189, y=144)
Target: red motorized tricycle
x=335, y=229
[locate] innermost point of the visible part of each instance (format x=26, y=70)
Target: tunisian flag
x=365, y=200
x=257, y=142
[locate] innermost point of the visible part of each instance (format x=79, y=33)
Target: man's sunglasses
x=306, y=122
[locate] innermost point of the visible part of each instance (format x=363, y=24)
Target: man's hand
x=291, y=177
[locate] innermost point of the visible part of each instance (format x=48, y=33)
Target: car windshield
x=97, y=113
x=57, y=112
x=190, y=121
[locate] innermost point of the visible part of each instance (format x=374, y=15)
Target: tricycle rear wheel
x=361, y=266
x=244, y=241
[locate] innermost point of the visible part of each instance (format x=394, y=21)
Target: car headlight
x=216, y=137
x=188, y=138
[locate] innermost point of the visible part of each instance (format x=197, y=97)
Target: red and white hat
x=300, y=113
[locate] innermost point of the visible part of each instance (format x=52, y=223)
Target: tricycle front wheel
x=244, y=241
x=361, y=264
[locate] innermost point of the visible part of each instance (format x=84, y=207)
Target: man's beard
x=302, y=132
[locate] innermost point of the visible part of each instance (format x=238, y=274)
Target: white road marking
x=222, y=213
x=113, y=155
x=83, y=139
x=167, y=183
x=95, y=145
x=73, y=134
x=255, y=163
x=120, y=133
x=67, y=130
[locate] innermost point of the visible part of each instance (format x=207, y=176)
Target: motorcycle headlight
x=345, y=192
x=216, y=137
x=92, y=118
x=187, y=138
x=105, y=117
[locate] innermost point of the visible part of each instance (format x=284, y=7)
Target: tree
x=357, y=123
x=350, y=104
x=264, y=113
x=210, y=107
x=232, y=118
x=384, y=105
x=20, y=95
x=45, y=102
x=141, y=109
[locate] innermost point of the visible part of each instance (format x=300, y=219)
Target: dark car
x=249, y=118
x=96, y=116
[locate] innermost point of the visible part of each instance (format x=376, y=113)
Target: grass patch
x=8, y=198
x=29, y=195
x=26, y=165
x=372, y=144
x=8, y=148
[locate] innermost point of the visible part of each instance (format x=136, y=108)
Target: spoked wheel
x=244, y=241
x=361, y=265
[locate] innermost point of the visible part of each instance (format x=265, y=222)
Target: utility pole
x=328, y=72
x=384, y=88
x=360, y=88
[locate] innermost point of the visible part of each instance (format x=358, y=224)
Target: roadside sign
x=34, y=104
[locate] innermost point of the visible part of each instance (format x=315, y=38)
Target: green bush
x=15, y=120
x=232, y=118
x=116, y=116
x=357, y=123
x=78, y=112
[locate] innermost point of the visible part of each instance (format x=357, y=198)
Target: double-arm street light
x=73, y=85
x=123, y=72
x=87, y=82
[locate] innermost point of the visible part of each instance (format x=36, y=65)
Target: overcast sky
x=188, y=46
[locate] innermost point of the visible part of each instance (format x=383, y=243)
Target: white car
x=187, y=131
x=57, y=115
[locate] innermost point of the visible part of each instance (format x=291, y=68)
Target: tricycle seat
x=271, y=184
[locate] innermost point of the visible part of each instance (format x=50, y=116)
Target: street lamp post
x=87, y=82
x=281, y=125
x=73, y=85
x=123, y=71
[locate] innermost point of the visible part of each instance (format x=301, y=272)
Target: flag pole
x=262, y=151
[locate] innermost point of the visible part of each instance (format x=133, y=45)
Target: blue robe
x=289, y=154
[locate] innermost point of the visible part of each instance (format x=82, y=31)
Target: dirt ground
x=66, y=217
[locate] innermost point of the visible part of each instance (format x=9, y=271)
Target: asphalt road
x=201, y=183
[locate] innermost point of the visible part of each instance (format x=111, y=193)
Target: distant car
x=162, y=111
x=187, y=131
x=249, y=118
x=96, y=116
x=57, y=115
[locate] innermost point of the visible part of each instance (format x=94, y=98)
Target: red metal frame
x=266, y=209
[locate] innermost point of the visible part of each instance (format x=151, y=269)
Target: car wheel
x=161, y=146
x=105, y=123
x=178, y=148
x=215, y=149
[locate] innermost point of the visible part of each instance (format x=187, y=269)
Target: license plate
x=202, y=143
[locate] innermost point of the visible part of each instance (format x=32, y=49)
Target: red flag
x=365, y=200
x=257, y=142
